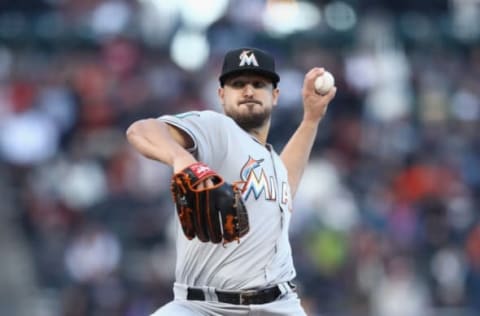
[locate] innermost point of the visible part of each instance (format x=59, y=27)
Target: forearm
x=153, y=140
x=296, y=153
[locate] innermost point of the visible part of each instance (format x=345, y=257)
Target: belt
x=248, y=297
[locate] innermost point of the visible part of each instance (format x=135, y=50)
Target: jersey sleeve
x=206, y=129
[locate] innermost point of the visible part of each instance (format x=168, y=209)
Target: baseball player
x=229, y=151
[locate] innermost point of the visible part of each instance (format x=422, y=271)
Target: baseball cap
x=249, y=60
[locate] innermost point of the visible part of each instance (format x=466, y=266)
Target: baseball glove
x=212, y=214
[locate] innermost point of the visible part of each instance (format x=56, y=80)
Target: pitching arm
x=296, y=153
x=162, y=142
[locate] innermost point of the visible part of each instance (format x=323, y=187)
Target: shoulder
x=201, y=123
x=196, y=115
x=216, y=116
x=208, y=118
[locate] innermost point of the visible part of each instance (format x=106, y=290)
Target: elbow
x=137, y=129
x=133, y=130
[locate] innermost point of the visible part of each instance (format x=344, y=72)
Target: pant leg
x=288, y=305
x=201, y=308
x=176, y=308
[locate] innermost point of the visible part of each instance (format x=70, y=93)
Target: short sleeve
x=206, y=129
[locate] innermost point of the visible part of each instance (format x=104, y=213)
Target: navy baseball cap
x=249, y=60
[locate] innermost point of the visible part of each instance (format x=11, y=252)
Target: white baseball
x=324, y=83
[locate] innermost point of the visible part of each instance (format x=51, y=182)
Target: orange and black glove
x=213, y=213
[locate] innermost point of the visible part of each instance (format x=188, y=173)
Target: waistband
x=245, y=297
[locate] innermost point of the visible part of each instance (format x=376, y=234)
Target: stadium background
x=386, y=221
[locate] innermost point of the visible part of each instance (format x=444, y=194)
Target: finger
x=331, y=94
x=208, y=183
x=310, y=77
x=315, y=71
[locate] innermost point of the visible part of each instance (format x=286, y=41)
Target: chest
x=259, y=172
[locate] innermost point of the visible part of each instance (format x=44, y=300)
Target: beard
x=251, y=119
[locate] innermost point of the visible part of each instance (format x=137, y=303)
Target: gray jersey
x=263, y=257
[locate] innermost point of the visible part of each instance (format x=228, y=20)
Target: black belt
x=250, y=297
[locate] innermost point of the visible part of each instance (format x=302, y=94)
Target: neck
x=260, y=133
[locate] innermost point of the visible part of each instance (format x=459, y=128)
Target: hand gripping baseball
x=214, y=213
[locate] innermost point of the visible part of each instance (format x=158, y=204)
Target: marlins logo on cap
x=251, y=60
x=247, y=57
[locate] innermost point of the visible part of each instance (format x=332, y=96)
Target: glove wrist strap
x=199, y=171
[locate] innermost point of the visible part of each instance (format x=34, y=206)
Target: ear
x=221, y=95
x=275, y=94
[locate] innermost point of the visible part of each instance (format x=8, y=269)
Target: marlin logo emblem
x=255, y=181
x=248, y=58
x=257, y=184
x=249, y=166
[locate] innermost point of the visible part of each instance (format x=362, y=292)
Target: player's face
x=249, y=99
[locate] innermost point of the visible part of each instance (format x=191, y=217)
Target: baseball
x=324, y=83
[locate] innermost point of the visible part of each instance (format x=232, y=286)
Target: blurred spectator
x=400, y=291
x=92, y=255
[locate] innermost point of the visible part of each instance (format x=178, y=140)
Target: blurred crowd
x=386, y=221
